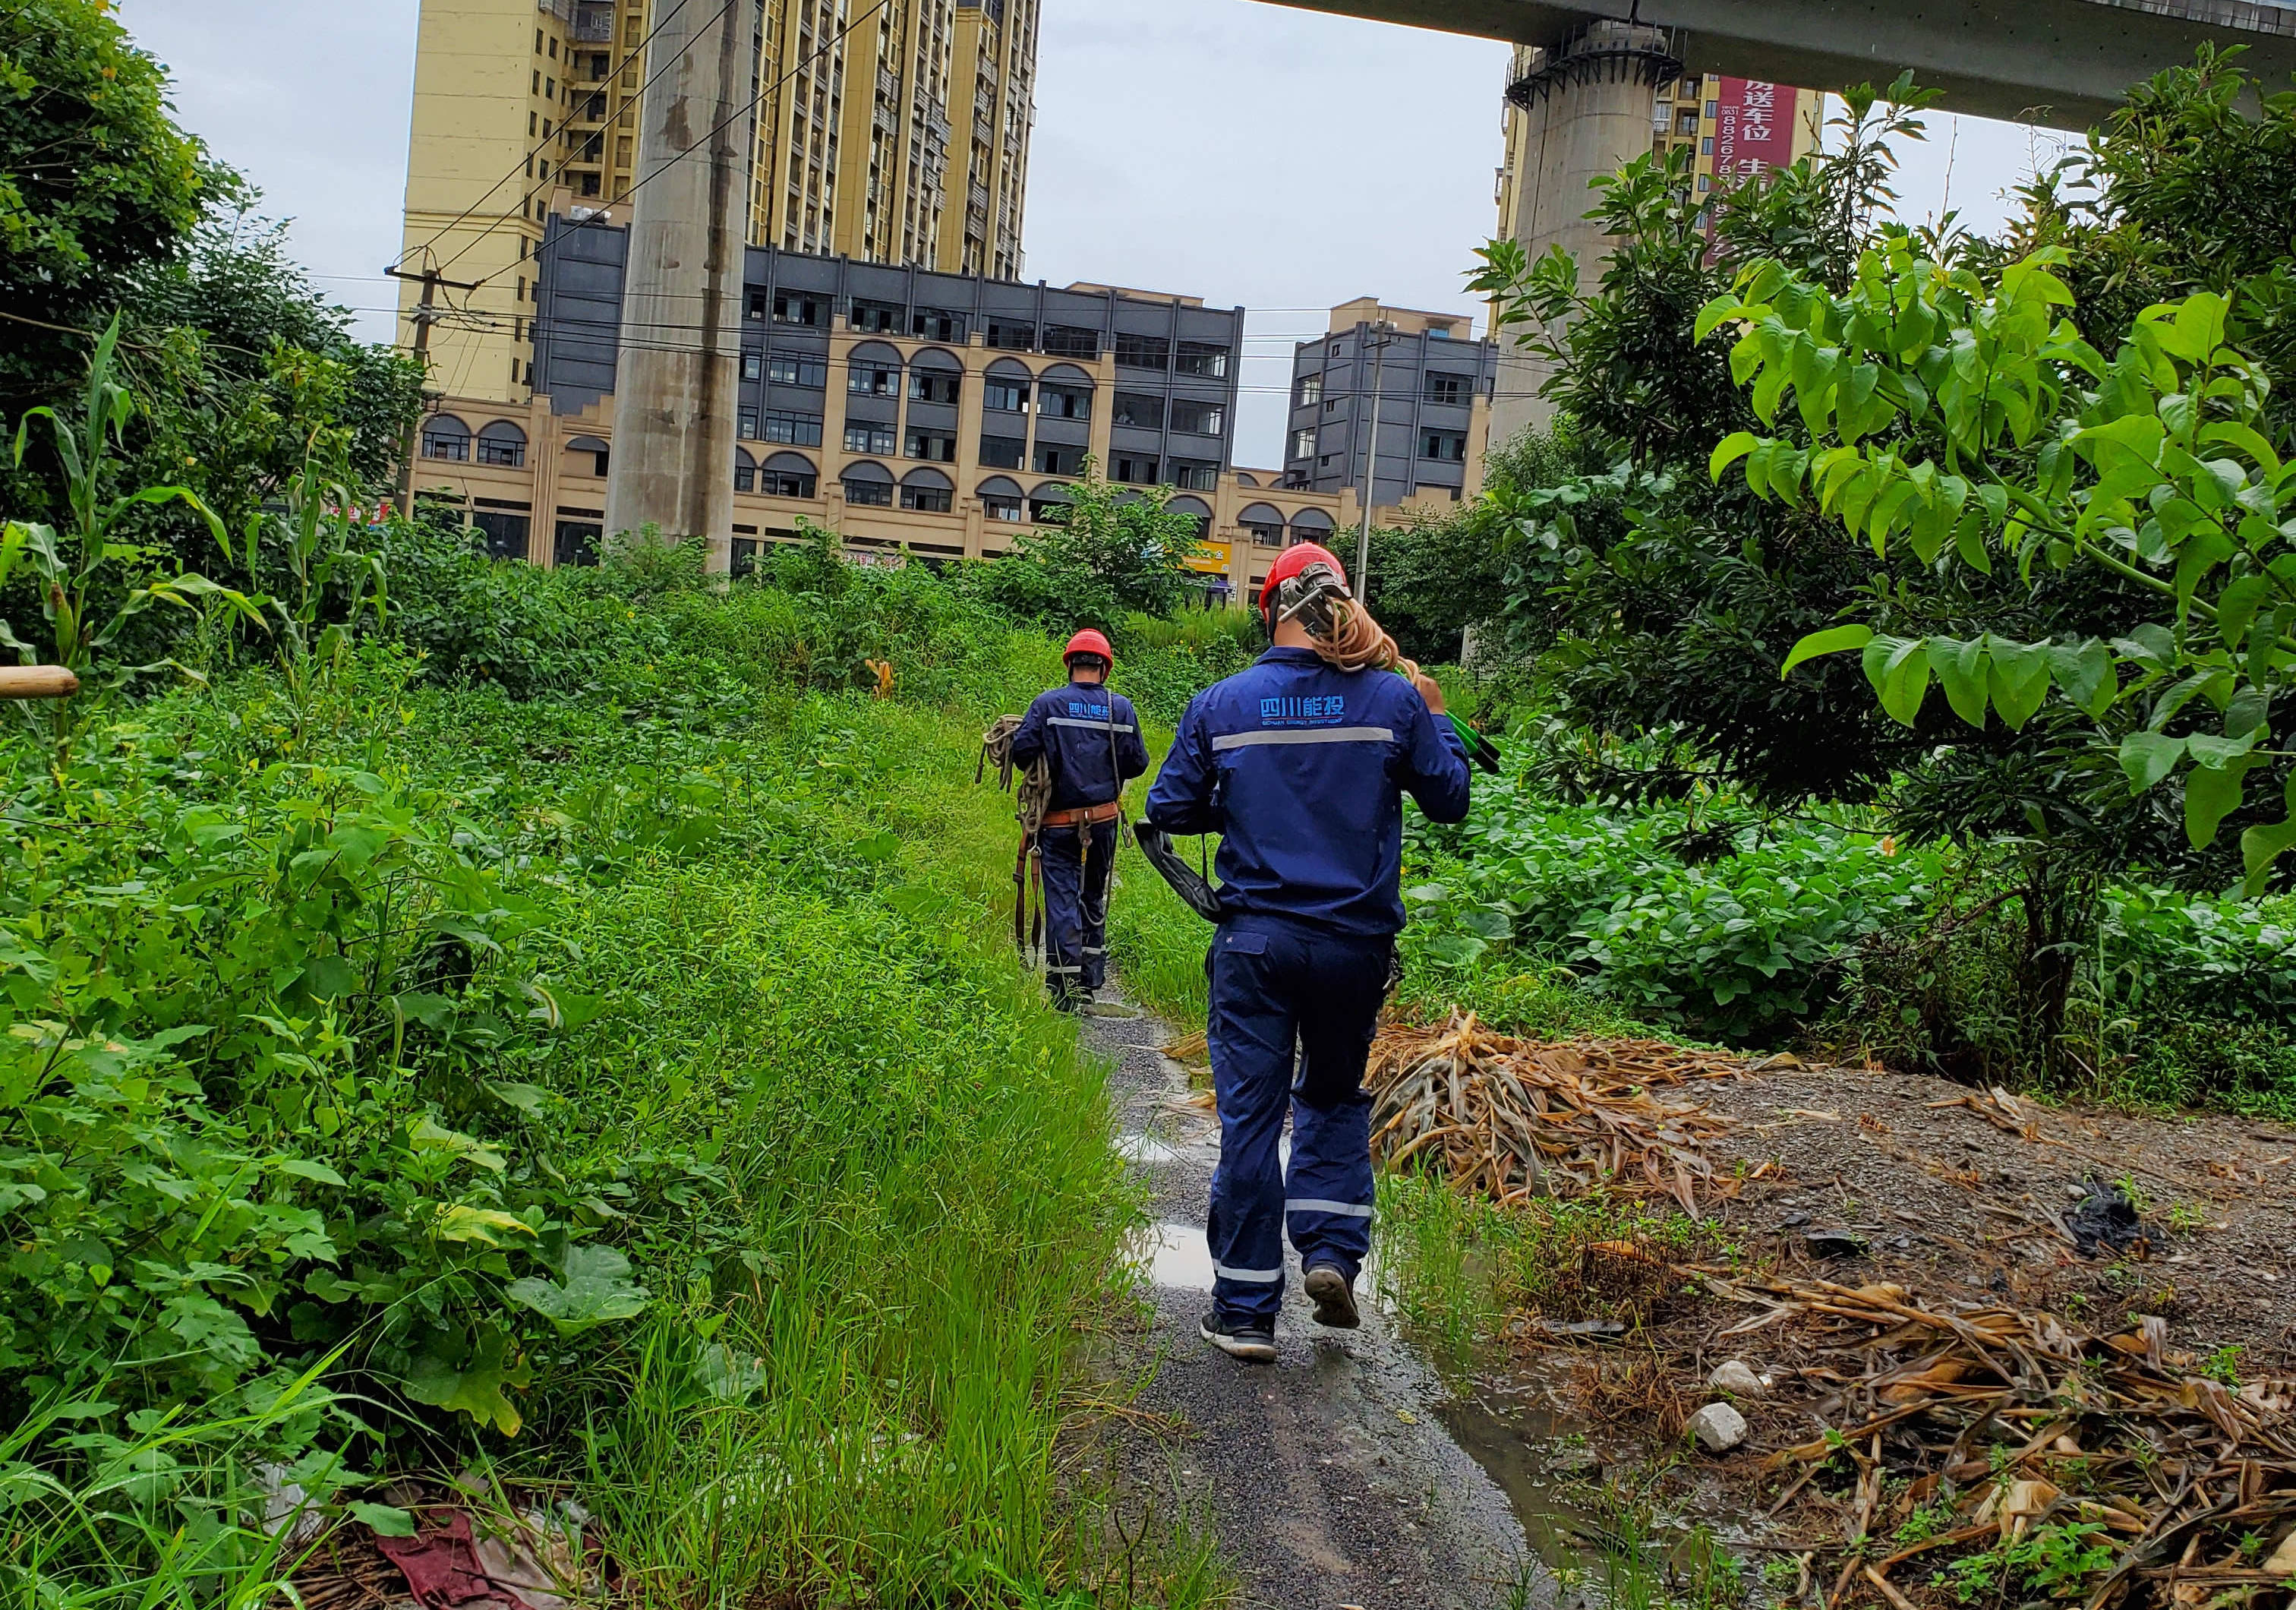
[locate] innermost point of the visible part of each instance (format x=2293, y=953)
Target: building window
x=798, y=429
x=874, y=439
x=1132, y=469
x=927, y=500
x=1063, y=402
x=1337, y=348
x=1144, y=352
x=1001, y=505
x=1196, y=475
x=506, y=534
x=753, y=365
x=937, y=324
x=1705, y=181
x=872, y=380
x=786, y=483
x=1311, y=392
x=878, y=318
x=934, y=446
x=745, y=477
x=1007, y=336
x=748, y=428
x=935, y=386
x=1706, y=147
x=757, y=304
x=503, y=446
x=1139, y=410
x=1070, y=341
x=797, y=372
x=1265, y=533
x=799, y=307
x=745, y=556
x=1303, y=444
x=1059, y=458
x=1203, y=359
x=870, y=494
x=1003, y=452
x=449, y=441
x=1199, y=418
x=1006, y=396
x=1713, y=107
x=1449, y=390
x=1685, y=122
x=1445, y=447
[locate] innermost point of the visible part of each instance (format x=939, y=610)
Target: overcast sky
x=1227, y=149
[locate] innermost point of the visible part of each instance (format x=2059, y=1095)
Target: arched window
x=446, y=436
x=1245, y=478
x=745, y=471
x=1265, y=522
x=1000, y=498
x=936, y=376
x=1007, y=389
x=1197, y=510
x=1052, y=495
x=503, y=444
x=868, y=485
x=590, y=455
x=873, y=369
x=1064, y=391
x=1311, y=525
x=788, y=475
x=928, y=492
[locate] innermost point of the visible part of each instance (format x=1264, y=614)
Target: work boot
x=1334, y=1295
x=1251, y=1340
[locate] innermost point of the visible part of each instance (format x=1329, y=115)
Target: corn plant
x=1969, y=421
x=310, y=532
x=72, y=563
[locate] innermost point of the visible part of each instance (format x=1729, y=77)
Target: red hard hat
x=1291, y=562
x=1088, y=642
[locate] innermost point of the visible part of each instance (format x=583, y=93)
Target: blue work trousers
x=1077, y=862
x=1273, y=991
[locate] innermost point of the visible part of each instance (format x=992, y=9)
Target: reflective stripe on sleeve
x=1254, y=1276
x=1316, y=1204
x=1304, y=735
x=1088, y=726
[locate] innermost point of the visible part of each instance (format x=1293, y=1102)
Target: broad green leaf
x=488, y=1226
x=384, y=1520
x=2019, y=680
x=1898, y=669
x=2211, y=795
x=2084, y=673
x=1833, y=640
x=475, y=1385
x=2147, y=756
x=2217, y=753
x=2261, y=845
x=427, y=1135
x=1961, y=671
x=596, y=1290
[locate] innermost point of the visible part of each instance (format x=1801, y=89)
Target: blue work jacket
x=1093, y=738
x=1303, y=768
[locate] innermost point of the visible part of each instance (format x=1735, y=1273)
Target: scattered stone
x=2283, y=1562
x=2076, y=1191
x=1793, y=1221
x=1719, y=1427
x=1835, y=1243
x=1736, y=1377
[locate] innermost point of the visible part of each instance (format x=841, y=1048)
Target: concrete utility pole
x=679, y=372
x=1589, y=98
x=425, y=314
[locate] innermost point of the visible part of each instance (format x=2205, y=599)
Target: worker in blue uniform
x=1090, y=739
x=1301, y=766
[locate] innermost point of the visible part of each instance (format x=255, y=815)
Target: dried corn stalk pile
x=2006, y=1422
x=1522, y=1118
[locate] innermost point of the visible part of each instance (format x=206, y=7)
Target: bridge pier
x=1587, y=104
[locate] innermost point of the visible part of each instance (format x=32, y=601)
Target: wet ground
x=1330, y=1478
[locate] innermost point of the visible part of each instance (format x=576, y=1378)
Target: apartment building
x=1734, y=130
x=917, y=414
x=895, y=132
x=1429, y=381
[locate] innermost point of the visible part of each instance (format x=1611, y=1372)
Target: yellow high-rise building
x=890, y=131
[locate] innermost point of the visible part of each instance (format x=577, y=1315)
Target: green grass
x=862, y=1172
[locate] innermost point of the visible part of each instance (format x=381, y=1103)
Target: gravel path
x=1328, y=1478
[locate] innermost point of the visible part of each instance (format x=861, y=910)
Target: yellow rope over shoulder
x=1359, y=642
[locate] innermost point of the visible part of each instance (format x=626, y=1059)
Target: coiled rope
x=1358, y=643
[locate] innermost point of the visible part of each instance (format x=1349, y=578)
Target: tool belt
x=1085, y=816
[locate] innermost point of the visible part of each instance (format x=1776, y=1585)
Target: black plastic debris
x=2106, y=1221
x=1835, y=1243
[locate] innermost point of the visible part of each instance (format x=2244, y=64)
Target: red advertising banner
x=1753, y=129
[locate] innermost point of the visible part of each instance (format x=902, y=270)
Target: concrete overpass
x=2061, y=63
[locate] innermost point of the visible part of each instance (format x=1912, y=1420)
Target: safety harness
x=1031, y=809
